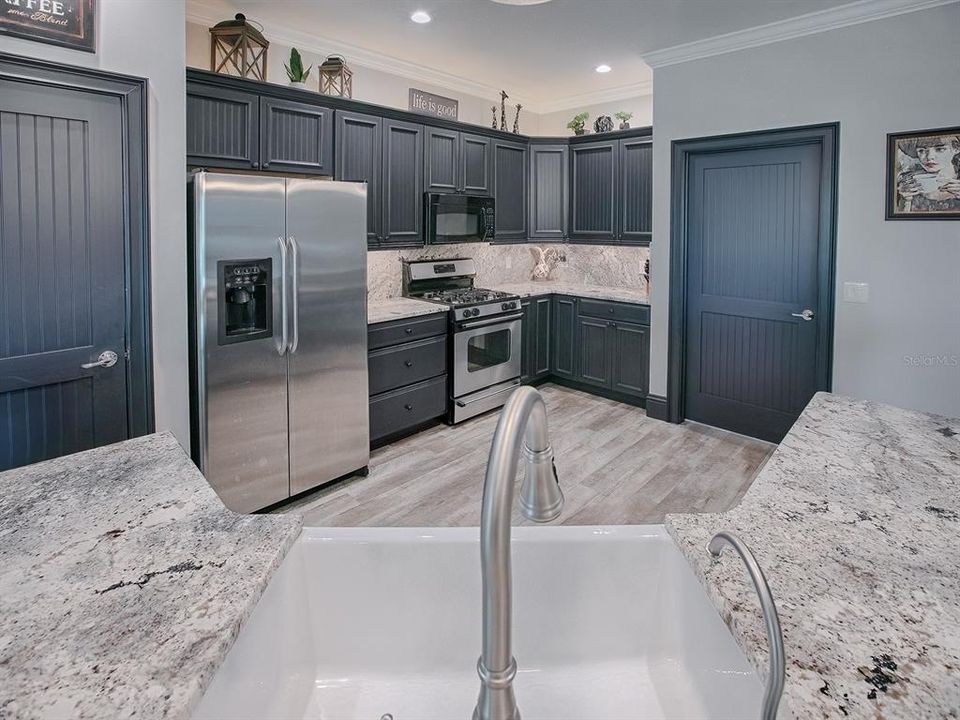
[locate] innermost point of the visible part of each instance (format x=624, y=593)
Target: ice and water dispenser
x=244, y=300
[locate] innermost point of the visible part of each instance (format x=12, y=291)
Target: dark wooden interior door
x=62, y=272
x=752, y=271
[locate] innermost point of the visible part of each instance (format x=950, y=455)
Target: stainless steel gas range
x=486, y=328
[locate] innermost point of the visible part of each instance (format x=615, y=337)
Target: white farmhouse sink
x=609, y=623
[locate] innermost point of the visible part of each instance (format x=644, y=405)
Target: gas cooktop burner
x=466, y=296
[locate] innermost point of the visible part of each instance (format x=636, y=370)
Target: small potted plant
x=578, y=122
x=624, y=117
x=298, y=76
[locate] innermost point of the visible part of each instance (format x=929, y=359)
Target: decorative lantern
x=238, y=48
x=335, y=77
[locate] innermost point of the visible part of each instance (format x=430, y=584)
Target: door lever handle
x=108, y=358
x=805, y=315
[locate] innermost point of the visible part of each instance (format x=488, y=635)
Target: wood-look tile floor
x=616, y=466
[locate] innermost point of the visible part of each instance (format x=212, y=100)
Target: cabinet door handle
x=266, y=165
x=408, y=331
x=408, y=363
x=408, y=407
x=255, y=165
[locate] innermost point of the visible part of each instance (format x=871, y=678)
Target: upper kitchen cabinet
x=510, y=190
x=594, y=176
x=360, y=159
x=234, y=129
x=402, y=184
x=636, y=191
x=457, y=162
x=611, y=194
x=223, y=127
x=548, y=192
x=295, y=137
x=388, y=156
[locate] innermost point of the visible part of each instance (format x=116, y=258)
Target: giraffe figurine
x=503, y=110
x=516, y=120
x=493, y=109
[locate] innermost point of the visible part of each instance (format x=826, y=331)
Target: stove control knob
x=476, y=311
x=505, y=306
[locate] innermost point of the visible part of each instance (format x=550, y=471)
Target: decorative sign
x=69, y=23
x=436, y=105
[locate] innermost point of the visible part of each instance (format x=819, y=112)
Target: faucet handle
x=541, y=498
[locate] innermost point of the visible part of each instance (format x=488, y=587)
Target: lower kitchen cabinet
x=408, y=375
x=596, y=344
x=535, y=359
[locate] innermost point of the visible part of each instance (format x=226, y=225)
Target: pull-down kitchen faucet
x=524, y=418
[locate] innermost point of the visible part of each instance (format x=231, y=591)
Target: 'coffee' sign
x=436, y=105
x=69, y=23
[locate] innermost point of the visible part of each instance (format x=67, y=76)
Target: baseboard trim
x=657, y=407
x=598, y=391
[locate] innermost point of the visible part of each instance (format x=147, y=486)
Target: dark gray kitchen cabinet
x=510, y=190
x=295, y=137
x=360, y=159
x=457, y=162
x=594, y=173
x=441, y=168
x=593, y=342
x=537, y=332
x=636, y=191
x=614, y=346
x=612, y=191
x=563, y=354
x=402, y=184
x=630, y=368
x=475, y=163
x=548, y=192
x=408, y=375
x=223, y=127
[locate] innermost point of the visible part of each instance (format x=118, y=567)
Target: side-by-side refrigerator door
x=241, y=256
x=329, y=422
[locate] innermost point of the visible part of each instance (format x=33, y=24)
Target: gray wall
x=903, y=347
x=136, y=37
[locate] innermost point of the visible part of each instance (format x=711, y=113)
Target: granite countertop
x=597, y=292
x=399, y=308
x=123, y=582
x=856, y=522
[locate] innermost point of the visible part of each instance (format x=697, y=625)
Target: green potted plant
x=298, y=76
x=623, y=116
x=579, y=120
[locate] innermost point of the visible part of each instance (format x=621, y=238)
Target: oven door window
x=488, y=350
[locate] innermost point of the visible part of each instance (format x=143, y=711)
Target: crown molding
x=595, y=97
x=205, y=14
x=809, y=24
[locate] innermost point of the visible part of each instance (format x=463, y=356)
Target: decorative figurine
x=503, y=110
x=493, y=109
x=578, y=122
x=603, y=124
x=624, y=117
x=516, y=120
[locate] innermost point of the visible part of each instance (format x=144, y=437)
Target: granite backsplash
x=605, y=265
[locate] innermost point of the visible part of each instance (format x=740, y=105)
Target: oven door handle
x=485, y=396
x=491, y=321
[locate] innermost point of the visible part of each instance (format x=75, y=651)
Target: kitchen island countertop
x=123, y=582
x=855, y=520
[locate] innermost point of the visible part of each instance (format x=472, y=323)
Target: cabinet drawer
x=400, y=410
x=406, y=364
x=399, y=331
x=616, y=311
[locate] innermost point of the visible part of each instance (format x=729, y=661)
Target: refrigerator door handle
x=294, y=294
x=282, y=348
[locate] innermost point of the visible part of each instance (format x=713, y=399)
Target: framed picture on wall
x=923, y=175
x=69, y=23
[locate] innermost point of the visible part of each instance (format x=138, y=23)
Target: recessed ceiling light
x=521, y=2
x=420, y=17
x=604, y=68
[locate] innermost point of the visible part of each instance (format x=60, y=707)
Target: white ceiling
x=542, y=53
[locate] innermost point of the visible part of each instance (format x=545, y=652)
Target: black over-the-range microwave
x=459, y=218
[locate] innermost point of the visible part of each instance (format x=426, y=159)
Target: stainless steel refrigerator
x=278, y=321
